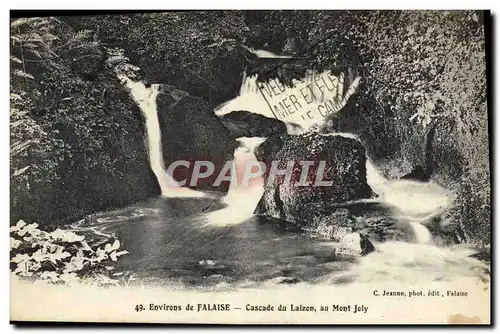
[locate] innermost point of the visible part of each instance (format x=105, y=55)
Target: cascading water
x=413, y=200
x=413, y=204
x=241, y=198
x=177, y=244
x=146, y=100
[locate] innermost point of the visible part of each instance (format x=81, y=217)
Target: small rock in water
x=289, y=280
x=366, y=245
x=207, y=262
x=284, y=280
x=355, y=244
x=484, y=256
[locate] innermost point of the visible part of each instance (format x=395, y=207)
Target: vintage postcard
x=250, y=167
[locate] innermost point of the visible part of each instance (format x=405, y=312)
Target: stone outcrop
x=354, y=244
x=191, y=131
x=344, y=165
x=243, y=123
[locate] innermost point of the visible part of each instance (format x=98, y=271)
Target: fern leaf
x=23, y=20
x=34, y=37
x=16, y=60
x=22, y=74
x=113, y=60
x=20, y=171
x=18, y=147
x=16, y=123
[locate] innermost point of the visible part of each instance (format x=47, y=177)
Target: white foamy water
x=395, y=261
x=146, y=100
x=241, y=199
x=413, y=263
x=413, y=198
x=412, y=201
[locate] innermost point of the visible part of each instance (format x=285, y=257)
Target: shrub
x=61, y=256
x=471, y=211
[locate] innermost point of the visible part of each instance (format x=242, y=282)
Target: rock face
x=344, y=160
x=191, y=131
x=114, y=174
x=243, y=123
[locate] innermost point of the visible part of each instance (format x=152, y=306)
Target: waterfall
x=146, y=100
x=243, y=155
x=414, y=198
x=413, y=201
x=241, y=199
x=422, y=234
x=414, y=204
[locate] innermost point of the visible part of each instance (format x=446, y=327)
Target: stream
x=189, y=239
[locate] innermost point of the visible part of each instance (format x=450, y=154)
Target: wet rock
x=284, y=280
x=354, y=244
x=276, y=225
x=344, y=160
x=366, y=245
x=417, y=174
x=289, y=280
x=191, y=131
x=243, y=123
x=444, y=231
x=484, y=256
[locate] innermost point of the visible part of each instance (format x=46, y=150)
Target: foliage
x=419, y=68
x=74, y=130
x=72, y=124
x=198, y=52
x=60, y=257
x=472, y=210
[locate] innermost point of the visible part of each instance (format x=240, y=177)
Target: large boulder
x=242, y=123
x=191, y=131
x=344, y=160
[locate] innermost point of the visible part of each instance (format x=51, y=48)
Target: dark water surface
x=171, y=241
